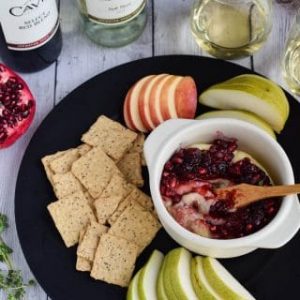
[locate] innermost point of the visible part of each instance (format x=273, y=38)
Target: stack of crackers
x=99, y=205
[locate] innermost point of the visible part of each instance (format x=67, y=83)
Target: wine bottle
x=30, y=35
x=113, y=23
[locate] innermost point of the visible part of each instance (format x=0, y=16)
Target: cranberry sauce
x=192, y=170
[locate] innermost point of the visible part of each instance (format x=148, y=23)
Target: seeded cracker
x=83, y=264
x=136, y=224
x=46, y=160
x=63, y=163
x=136, y=196
x=90, y=240
x=130, y=166
x=114, y=260
x=109, y=200
x=90, y=199
x=138, y=145
x=65, y=184
x=83, y=149
x=111, y=136
x=71, y=214
x=94, y=170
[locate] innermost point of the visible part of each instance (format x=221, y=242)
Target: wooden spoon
x=245, y=194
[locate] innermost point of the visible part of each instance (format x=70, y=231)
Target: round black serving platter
x=268, y=274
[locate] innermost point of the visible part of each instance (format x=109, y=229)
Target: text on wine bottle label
x=28, y=24
x=113, y=11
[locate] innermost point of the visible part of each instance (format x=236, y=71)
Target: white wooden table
x=167, y=32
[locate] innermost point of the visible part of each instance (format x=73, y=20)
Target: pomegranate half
x=17, y=106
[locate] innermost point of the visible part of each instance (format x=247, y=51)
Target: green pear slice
x=160, y=289
x=250, y=93
x=177, y=275
x=132, y=293
x=148, y=277
x=239, y=115
x=223, y=282
x=201, y=286
x=167, y=280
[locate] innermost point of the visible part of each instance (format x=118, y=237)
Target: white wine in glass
x=291, y=61
x=231, y=29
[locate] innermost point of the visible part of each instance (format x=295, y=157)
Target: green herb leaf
x=11, y=281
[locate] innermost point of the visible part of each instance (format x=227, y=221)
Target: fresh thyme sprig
x=11, y=280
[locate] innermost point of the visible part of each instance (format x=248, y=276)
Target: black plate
x=268, y=274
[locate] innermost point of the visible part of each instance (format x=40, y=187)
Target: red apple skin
x=154, y=102
x=168, y=100
x=133, y=104
x=143, y=104
x=186, y=98
x=126, y=114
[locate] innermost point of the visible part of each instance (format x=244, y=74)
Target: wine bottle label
x=113, y=11
x=28, y=24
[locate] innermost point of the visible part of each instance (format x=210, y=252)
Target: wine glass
x=231, y=29
x=291, y=60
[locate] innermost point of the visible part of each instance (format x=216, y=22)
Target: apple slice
x=154, y=100
x=160, y=289
x=144, y=106
x=200, y=284
x=133, y=104
x=223, y=282
x=126, y=116
x=177, y=275
x=132, y=293
x=148, y=277
x=167, y=97
x=186, y=98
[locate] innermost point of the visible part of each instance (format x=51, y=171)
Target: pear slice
x=132, y=293
x=200, y=283
x=160, y=289
x=148, y=277
x=177, y=275
x=223, y=282
x=239, y=115
x=251, y=93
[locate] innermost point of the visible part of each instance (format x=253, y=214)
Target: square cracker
x=138, y=144
x=71, y=214
x=117, y=186
x=105, y=207
x=87, y=247
x=111, y=136
x=113, y=194
x=83, y=149
x=136, y=196
x=94, y=170
x=83, y=264
x=63, y=163
x=131, y=167
x=114, y=260
x=65, y=184
x=136, y=224
x=46, y=160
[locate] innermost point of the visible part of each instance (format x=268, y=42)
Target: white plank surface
x=81, y=59
x=168, y=32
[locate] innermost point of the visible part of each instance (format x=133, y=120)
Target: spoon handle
x=279, y=190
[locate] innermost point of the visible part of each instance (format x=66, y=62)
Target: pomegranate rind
x=15, y=132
